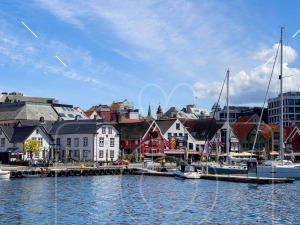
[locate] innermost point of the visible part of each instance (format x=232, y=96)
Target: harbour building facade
x=291, y=109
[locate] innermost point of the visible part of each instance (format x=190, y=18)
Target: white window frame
x=76, y=142
x=110, y=130
x=85, y=141
x=69, y=142
x=2, y=142
x=112, y=142
x=101, y=141
x=101, y=154
x=111, y=153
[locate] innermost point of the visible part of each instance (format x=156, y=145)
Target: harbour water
x=134, y=199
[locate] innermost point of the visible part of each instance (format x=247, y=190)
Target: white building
x=85, y=140
x=12, y=140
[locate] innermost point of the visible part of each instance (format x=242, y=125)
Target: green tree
x=32, y=146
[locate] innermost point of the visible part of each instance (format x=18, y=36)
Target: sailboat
x=283, y=168
x=228, y=168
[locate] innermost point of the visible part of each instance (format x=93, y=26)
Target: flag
x=166, y=143
x=221, y=144
x=142, y=142
x=209, y=144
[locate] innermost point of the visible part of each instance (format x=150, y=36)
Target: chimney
x=42, y=119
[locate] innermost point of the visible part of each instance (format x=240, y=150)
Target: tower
x=159, y=113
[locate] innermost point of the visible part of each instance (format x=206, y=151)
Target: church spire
x=149, y=112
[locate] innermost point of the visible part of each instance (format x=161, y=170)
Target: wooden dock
x=88, y=171
x=246, y=179
x=94, y=171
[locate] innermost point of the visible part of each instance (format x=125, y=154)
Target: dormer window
x=37, y=131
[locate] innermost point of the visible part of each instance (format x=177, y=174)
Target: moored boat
x=187, y=171
x=4, y=174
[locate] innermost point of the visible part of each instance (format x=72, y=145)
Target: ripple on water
x=146, y=200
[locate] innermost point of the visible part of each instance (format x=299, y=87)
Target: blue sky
x=147, y=51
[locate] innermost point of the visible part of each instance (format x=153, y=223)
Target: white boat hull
x=4, y=175
x=278, y=171
x=187, y=175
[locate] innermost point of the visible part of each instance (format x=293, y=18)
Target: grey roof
x=165, y=125
x=203, y=128
x=46, y=124
x=77, y=127
x=20, y=134
x=26, y=111
x=133, y=131
x=8, y=131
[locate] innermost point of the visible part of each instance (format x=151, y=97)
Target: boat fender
x=118, y=171
x=97, y=172
x=71, y=172
x=63, y=173
x=13, y=174
x=102, y=172
x=125, y=171
x=113, y=171
x=107, y=171
x=77, y=172
x=19, y=173
x=91, y=172
x=32, y=172
x=52, y=173
x=85, y=172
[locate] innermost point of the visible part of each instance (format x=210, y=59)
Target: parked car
x=124, y=162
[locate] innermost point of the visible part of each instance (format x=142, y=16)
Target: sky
x=167, y=52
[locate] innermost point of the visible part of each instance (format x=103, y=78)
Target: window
x=37, y=131
x=0, y=132
x=112, y=142
x=190, y=146
x=85, y=153
x=68, y=142
x=61, y=114
x=40, y=141
x=36, y=155
x=101, y=141
x=101, y=153
x=110, y=130
x=103, y=130
x=76, y=142
x=76, y=153
x=85, y=141
x=71, y=115
x=34, y=138
x=197, y=147
x=58, y=141
x=112, y=153
x=177, y=126
x=2, y=142
x=169, y=135
x=136, y=142
x=63, y=154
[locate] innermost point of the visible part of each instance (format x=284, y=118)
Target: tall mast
x=281, y=98
x=227, y=120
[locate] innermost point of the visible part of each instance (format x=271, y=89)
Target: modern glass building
x=291, y=109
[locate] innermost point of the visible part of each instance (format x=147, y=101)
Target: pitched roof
x=133, y=131
x=20, y=134
x=241, y=130
x=126, y=120
x=8, y=131
x=165, y=124
x=77, y=127
x=46, y=124
x=243, y=119
x=27, y=111
x=203, y=128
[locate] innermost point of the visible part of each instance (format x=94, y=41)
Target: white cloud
x=251, y=87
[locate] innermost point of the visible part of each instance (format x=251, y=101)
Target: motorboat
x=4, y=174
x=187, y=171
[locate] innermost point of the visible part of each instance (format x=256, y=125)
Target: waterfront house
x=13, y=138
x=141, y=140
x=85, y=140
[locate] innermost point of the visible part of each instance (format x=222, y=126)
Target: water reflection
x=145, y=200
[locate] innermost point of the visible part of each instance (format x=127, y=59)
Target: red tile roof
x=241, y=130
